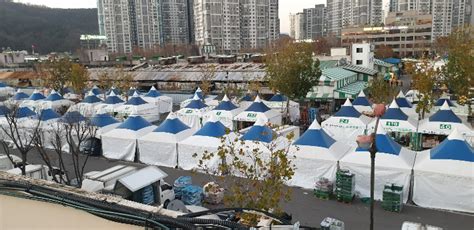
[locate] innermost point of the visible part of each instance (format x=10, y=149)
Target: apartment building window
x=359, y=50
x=359, y=62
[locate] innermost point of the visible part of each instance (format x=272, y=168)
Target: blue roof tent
x=91, y=99
x=278, y=97
x=48, y=114
x=441, y=101
x=199, y=93
x=196, y=103
x=153, y=92
x=226, y=105
x=102, y=120
x=112, y=99
x=258, y=106
x=445, y=114
x=24, y=112
x=247, y=97
x=113, y=89
x=131, y=92
x=259, y=132
x=54, y=96
x=315, y=136
x=95, y=90
x=134, y=123
x=136, y=100
x=172, y=125
x=72, y=117
x=4, y=110
x=402, y=101
x=453, y=148
x=212, y=128
x=2, y=85
x=384, y=143
x=394, y=113
x=361, y=100
x=36, y=96
x=347, y=110
x=20, y=96
x=392, y=60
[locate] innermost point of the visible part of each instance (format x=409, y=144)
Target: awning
x=319, y=95
x=351, y=90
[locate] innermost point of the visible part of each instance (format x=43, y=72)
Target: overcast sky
x=286, y=7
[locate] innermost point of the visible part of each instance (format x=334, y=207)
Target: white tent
x=346, y=124
x=225, y=112
x=141, y=107
x=443, y=122
x=246, y=101
x=164, y=103
x=259, y=110
x=198, y=92
x=393, y=164
x=104, y=123
x=111, y=103
x=55, y=101
x=316, y=155
x=192, y=115
x=207, y=139
x=6, y=90
x=278, y=102
x=33, y=101
x=361, y=103
x=121, y=143
x=405, y=105
x=395, y=120
x=444, y=176
x=49, y=126
x=87, y=107
x=160, y=147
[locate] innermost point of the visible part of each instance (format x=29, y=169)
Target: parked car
x=91, y=146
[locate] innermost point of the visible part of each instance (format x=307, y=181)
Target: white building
x=300, y=31
x=12, y=57
x=363, y=55
x=233, y=25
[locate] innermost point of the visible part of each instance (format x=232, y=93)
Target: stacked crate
x=332, y=224
x=345, y=185
x=392, y=197
x=323, y=188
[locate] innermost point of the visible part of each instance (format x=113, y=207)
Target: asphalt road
x=310, y=211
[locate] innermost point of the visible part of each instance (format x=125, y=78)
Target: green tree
x=380, y=91
x=424, y=79
x=56, y=73
x=79, y=77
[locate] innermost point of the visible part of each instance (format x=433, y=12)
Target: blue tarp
x=112, y=100
x=91, y=99
x=453, y=150
x=445, y=116
x=395, y=114
x=212, y=129
x=20, y=96
x=54, y=97
x=134, y=123
x=136, y=101
x=173, y=126
x=36, y=96
x=24, y=112
x=226, y=106
x=278, y=97
x=196, y=104
x=347, y=111
x=72, y=117
x=362, y=101
x=102, y=120
x=259, y=133
x=441, y=101
x=48, y=114
x=315, y=137
x=192, y=195
x=180, y=184
x=258, y=107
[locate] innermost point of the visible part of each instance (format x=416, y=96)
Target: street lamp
x=368, y=142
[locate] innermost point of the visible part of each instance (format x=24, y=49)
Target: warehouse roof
x=335, y=74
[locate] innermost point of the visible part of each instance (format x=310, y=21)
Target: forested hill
x=22, y=26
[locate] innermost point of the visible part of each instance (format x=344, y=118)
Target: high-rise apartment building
x=421, y=6
x=300, y=27
x=315, y=21
x=292, y=25
x=350, y=13
x=234, y=25
x=449, y=14
x=144, y=23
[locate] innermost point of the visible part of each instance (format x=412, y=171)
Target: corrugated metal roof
x=354, y=88
x=360, y=69
x=335, y=74
x=382, y=63
x=328, y=64
x=142, y=178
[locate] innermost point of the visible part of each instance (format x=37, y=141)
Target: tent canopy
x=247, y=97
x=402, y=101
x=315, y=136
x=113, y=99
x=361, y=100
x=136, y=100
x=212, y=128
x=196, y=103
x=278, y=97
x=454, y=148
x=445, y=114
x=153, y=92
x=48, y=114
x=394, y=112
x=54, y=96
x=172, y=125
x=134, y=123
x=95, y=90
x=102, y=120
x=226, y=105
x=91, y=98
x=36, y=96
x=23, y=112
x=257, y=106
x=347, y=110
x=72, y=117
x=19, y=95
x=113, y=89
x=441, y=101
x=259, y=132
